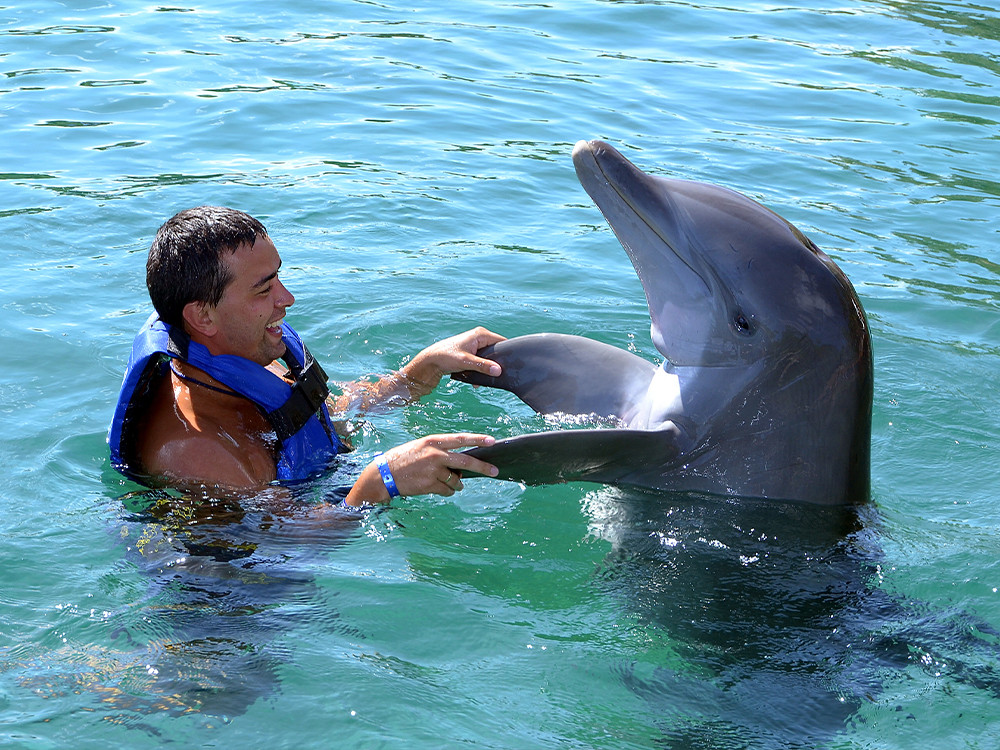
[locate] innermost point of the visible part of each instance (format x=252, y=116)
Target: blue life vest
x=296, y=411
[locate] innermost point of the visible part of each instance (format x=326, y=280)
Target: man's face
x=248, y=317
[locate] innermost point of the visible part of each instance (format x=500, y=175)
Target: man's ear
x=198, y=319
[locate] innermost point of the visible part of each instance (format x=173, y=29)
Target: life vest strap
x=309, y=391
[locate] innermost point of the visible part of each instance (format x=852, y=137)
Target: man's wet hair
x=186, y=260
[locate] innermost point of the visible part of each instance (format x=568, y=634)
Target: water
x=411, y=162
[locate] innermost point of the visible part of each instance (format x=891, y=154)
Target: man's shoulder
x=178, y=449
x=195, y=457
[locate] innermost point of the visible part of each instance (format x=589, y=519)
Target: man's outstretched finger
x=455, y=440
x=466, y=465
x=488, y=367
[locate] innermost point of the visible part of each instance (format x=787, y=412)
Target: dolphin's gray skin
x=766, y=389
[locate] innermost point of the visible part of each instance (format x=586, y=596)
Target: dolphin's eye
x=742, y=324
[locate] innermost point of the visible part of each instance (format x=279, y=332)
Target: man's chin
x=269, y=354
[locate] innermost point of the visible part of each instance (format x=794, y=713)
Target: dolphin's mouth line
x=652, y=228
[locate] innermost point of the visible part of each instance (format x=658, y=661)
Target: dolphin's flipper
x=556, y=373
x=607, y=456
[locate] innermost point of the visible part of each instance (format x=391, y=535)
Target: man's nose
x=285, y=298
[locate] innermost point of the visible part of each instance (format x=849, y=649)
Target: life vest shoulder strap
x=307, y=397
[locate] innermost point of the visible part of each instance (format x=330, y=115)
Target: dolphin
x=765, y=389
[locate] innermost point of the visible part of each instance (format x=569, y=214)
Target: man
x=206, y=402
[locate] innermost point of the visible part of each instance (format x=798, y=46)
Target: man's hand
x=455, y=354
x=424, y=466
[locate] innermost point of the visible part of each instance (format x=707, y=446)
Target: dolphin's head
x=727, y=280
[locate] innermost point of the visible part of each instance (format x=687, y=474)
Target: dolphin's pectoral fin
x=558, y=373
x=609, y=456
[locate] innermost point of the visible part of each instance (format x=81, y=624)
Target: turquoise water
x=411, y=161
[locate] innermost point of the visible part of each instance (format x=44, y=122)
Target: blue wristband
x=387, y=479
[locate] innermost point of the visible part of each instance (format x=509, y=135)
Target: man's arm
x=423, y=466
x=421, y=375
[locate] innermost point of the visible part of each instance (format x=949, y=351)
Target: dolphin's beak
x=684, y=294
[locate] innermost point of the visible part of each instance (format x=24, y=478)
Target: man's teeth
x=276, y=324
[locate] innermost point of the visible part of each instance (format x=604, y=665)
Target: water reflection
x=780, y=630
x=226, y=579
x=960, y=18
